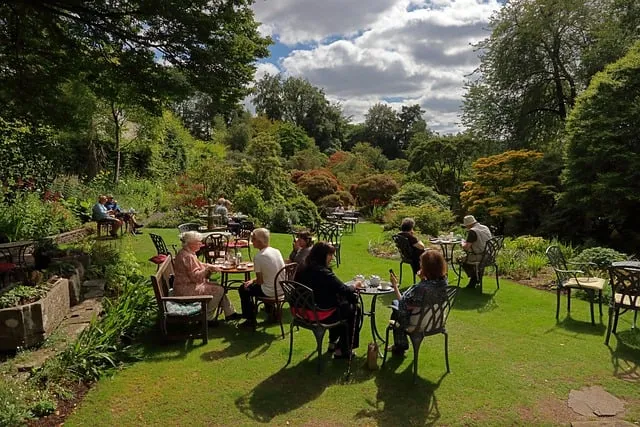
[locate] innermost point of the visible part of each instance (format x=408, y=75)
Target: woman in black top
x=330, y=293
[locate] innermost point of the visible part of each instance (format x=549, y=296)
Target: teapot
x=374, y=280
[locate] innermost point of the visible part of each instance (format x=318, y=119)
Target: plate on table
x=227, y=267
x=249, y=264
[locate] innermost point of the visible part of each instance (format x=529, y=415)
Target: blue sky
x=366, y=51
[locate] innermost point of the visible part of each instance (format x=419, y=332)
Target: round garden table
x=447, y=247
x=374, y=292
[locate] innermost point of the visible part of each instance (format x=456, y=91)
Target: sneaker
x=234, y=316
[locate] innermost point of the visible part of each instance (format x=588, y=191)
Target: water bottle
x=239, y=258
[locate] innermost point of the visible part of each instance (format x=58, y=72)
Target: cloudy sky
x=366, y=51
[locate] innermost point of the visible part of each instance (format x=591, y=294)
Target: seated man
x=417, y=247
x=266, y=264
x=127, y=217
x=476, y=240
x=101, y=213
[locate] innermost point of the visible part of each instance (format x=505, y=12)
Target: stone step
x=93, y=289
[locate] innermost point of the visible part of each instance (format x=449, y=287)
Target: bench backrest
x=162, y=280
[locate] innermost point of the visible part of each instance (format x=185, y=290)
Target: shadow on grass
x=472, y=299
x=579, y=326
x=626, y=356
x=399, y=401
x=238, y=341
x=290, y=388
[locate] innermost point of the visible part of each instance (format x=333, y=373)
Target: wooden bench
x=188, y=315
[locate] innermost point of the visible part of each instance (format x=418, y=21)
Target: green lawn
x=511, y=363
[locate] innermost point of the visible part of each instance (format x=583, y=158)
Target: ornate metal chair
x=243, y=238
x=306, y=314
x=215, y=246
x=277, y=301
x=161, y=249
x=489, y=257
x=406, y=253
x=189, y=226
x=431, y=320
x=574, y=279
x=625, y=295
x=332, y=234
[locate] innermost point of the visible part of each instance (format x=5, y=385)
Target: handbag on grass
x=372, y=356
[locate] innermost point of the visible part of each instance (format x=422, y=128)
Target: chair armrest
x=195, y=298
x=175, y=250
x=586, y=266
x=574, y=272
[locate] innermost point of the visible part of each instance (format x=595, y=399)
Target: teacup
x=360, y=277
x=385, y=285
x=374, y=280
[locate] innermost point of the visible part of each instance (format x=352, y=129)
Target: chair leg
x=497, y=278
x=558, y=292
x=592, y=296
x=446, y=350
x=600, y=302
x=319, y=334
x=415, y=342
x=290, y=344
x=615, y=320
x=279, y=314
x=459, y=275
x=386, y=346
x=401, y=272
x=568, y=300
x=606, y=340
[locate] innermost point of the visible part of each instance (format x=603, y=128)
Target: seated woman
x=417, y=247
x=430, y=290
x=330, y=293
x=191, y=277
x=301, y=248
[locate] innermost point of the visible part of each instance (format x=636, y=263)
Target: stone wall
x=30, y=324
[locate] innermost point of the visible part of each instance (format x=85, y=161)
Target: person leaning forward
x=477, y=237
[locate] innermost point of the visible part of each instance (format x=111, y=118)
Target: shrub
x=306, y=211
x=19, y=295
x=281, y=219
x=249, y=200
x=317, y=184
x=429, y=219
x=415, y=194
x=601, y=257
x=376, y=190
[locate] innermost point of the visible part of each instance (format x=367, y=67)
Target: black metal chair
x=406, y=253
x=488, y=259
x=215, y=246
x=431, y=320
x=286, y=273
x=332, y=234
x=571, y=279
x=242, y=238
x=189, y=226
x=625, y=296
x=162, y=252
x=307, y=315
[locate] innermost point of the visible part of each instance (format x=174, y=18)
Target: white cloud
x=416, y=51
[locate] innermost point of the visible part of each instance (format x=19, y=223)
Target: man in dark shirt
x=417, y=247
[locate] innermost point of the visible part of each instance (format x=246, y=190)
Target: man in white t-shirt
x=266, y=265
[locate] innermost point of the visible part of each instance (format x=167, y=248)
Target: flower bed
x=29, y=324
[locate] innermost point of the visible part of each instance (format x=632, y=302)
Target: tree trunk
x=116, y=121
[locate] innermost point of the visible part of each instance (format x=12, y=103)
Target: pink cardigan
x=189, y=273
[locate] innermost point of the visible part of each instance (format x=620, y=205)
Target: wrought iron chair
x=489, y=258
x=625, y=285
x=332, y=234
x=184, y=311
x=189, y=226
x=306, y=314
x=406, y=253
x=243, y=238
x=161, y=249
x=574, y=279
x=277, y=301
x=215, y=246
x=431, y=320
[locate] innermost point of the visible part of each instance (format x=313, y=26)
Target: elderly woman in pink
x=191, y=277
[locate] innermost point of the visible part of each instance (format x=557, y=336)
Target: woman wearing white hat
x=477, y=238
x=191, y=277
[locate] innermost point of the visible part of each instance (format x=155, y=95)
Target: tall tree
x=213, y=44
x=297, y=101
x=382, y=129
x=411, y=122
x=530, y=71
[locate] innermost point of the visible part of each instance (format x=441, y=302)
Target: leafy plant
x=601, y=257
x=429, y=219
x=20, y=295
x=535, y=263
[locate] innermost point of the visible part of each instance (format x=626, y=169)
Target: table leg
x=224, y=279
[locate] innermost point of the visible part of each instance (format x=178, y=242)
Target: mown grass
x=511, y=363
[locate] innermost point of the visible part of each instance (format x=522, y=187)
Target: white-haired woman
x=191, y=277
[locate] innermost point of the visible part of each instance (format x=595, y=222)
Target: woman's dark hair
x=407, y=224
x=433, y=265
x=318, y=254
x=306, y=236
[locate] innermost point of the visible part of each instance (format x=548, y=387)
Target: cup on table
x=219, y=261
x=374, y=281
x=385, y=286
